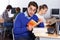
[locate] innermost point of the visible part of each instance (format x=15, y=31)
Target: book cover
x=32, y=23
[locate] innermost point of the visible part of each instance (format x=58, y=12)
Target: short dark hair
x=18, y=9
x=43, y=6
x=9, y=7
x=33, y=3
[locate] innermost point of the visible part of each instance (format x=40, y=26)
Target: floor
x=6, y=38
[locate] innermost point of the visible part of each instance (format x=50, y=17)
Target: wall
x=3, y=4
x=24, y=3
x=51, y=4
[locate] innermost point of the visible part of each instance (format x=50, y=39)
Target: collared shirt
x=26, y=14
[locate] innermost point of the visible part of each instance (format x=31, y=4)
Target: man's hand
x=30, y=28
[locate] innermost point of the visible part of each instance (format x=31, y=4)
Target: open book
x=32, y=23
x=52, y=21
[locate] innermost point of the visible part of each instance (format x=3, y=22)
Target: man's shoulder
x=35, y=16
x=21, y=14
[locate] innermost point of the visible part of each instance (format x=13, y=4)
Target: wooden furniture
x=1, y=20
x=1, y=28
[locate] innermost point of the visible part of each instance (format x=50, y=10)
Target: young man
x=21, y=30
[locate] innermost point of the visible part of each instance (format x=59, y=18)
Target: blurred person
x=17, y=11
x=8, y=21
x=5, y=14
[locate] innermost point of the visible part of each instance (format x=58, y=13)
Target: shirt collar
x=26, y=14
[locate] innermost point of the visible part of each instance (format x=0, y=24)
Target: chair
x=13, y=34
x=7, y=29
x=2, y=31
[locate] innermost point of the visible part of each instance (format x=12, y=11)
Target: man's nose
x=31, y=11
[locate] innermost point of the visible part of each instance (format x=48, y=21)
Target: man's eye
x=30, y=8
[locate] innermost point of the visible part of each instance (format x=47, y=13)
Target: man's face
x=31, y=10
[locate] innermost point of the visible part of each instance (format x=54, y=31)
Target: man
x=21, y=30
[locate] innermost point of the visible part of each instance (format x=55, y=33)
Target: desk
x=1, y=20
x=42, y=35
x=2, y=29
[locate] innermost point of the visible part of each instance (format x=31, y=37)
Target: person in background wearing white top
x=38, y=17
x=7, y=13
x=8, y=21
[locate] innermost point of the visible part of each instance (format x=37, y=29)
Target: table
x=1, y=28
x=41, y=34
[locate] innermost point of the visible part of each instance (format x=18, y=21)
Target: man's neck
x=28, y=14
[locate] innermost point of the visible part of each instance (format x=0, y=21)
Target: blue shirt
x=20, y=25
x=34, y=17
